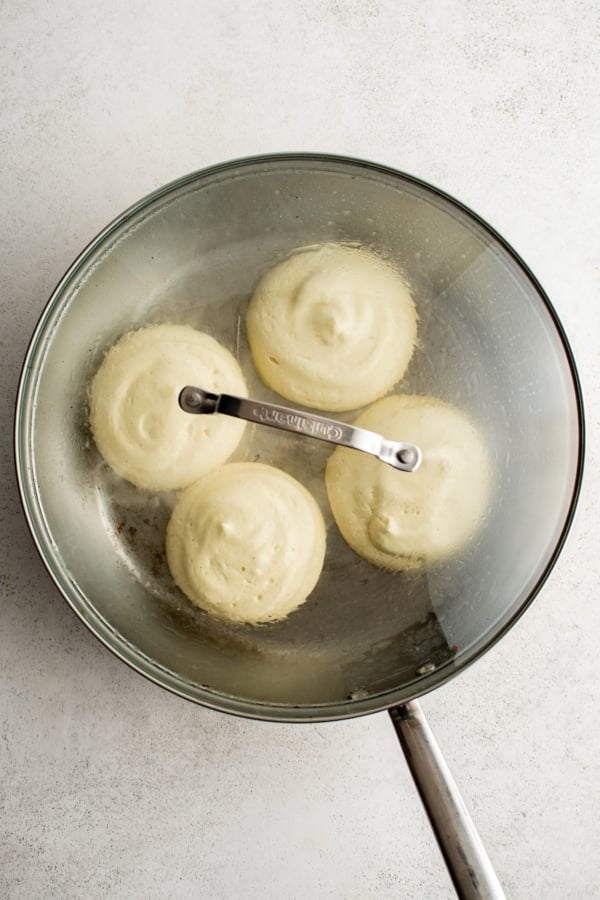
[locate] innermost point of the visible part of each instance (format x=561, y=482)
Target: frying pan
x=366, y=640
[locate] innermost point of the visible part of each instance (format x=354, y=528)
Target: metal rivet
x=426, y=669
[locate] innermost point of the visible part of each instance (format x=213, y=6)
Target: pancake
x=400, y=520
x=246, y=543
x=332, y=327
x=135, y=418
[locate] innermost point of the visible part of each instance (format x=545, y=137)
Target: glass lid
x=488, y=344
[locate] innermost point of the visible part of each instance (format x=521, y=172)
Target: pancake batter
x=134, y=415
x=403, y=521
x=246, y=543
x=332, y=327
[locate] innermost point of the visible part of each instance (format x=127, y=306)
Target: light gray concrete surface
x=112, y=788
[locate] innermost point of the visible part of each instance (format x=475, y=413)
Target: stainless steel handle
x=464, y=854
x=400, y=455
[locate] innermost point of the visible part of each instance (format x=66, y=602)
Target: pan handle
x=464, y=854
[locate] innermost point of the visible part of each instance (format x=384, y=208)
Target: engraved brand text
x=296, y=422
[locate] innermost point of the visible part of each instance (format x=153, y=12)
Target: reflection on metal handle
x=468, y=863
x=398, y=454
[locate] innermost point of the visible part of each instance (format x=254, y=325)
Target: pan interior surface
x=488, y=343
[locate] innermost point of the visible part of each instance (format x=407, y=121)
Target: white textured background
x=114, y=789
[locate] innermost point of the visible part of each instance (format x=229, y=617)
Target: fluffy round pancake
x=332, y=327
x=399, y=520
x=246, y=543
x=135, y=417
